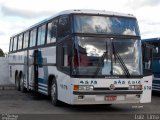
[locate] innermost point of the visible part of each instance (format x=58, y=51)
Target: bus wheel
x=54, y=94
x=22, y=88
x=17, y=82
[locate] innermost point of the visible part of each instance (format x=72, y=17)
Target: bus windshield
x=105, y=25
x=106, y=56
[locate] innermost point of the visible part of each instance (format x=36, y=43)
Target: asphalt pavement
x=28, y=106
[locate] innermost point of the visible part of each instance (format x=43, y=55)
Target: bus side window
x=157, y=50
x=26, y=39
x=41, y=35
x=11, y=44
x=147, y=58
x=65, y=56
x=52, y=31
x=15, y=44
x=156, y=53
x=20, y=41
x=63, y=27
x=33, y=34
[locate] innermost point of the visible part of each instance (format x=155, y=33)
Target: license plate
x=110, y=98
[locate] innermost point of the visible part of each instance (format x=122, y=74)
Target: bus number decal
x=147, y=88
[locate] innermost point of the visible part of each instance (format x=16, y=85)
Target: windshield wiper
x=116, y=55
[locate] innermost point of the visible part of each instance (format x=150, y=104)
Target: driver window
x=64, y=56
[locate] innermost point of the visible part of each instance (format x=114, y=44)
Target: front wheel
x=54, y=94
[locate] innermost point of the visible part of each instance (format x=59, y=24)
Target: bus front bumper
x=106, y=97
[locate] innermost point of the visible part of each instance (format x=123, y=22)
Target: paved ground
x=27, y=105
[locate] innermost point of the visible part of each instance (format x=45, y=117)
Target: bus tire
x=54, y=94
x=22, y=88
x=17, y=82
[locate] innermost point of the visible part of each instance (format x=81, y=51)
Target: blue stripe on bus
x=158, y=85
x=155, y=66
x=43, y=91
x=156, y=81
x=40, y=80
x=42, y=88
x=156, y=88
x=157, y=75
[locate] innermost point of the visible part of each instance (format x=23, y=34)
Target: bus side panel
x=25, y=68
x=11, y=67
x=63, y=84
x=48, y=59
x=43, y=64
x=156, y=73
x=16, y=64
x=147, y=89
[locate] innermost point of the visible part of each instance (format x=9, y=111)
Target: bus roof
x=153, y=40
x=98, y=12
x=80, y=11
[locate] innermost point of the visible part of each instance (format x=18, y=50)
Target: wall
x=4, y=71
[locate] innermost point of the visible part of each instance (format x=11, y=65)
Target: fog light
x=135, y=87
x=131, y=87
x=80, y=96
x=138, y=87
x=138, y=96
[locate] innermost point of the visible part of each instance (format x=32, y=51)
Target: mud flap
x=147, y=89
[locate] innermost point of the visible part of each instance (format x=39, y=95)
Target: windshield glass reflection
x=96, y=56
x=105, y=25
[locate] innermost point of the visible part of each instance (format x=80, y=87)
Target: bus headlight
x=83, y=87
x=135, y=87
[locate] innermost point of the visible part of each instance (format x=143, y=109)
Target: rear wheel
x=54, y=94
x=17, y=82
x=22, y=88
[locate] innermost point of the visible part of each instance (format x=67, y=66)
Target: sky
x=17, y=15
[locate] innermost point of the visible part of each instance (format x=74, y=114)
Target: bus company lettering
x=130, y=82
x=87, y=82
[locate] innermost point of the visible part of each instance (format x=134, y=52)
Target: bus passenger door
x=35, y=69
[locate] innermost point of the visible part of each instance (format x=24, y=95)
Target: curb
x=7, y=87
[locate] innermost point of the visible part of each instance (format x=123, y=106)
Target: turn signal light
x=82, y=87
x=75, y=87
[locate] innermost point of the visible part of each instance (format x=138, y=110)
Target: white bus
x=81, y=57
